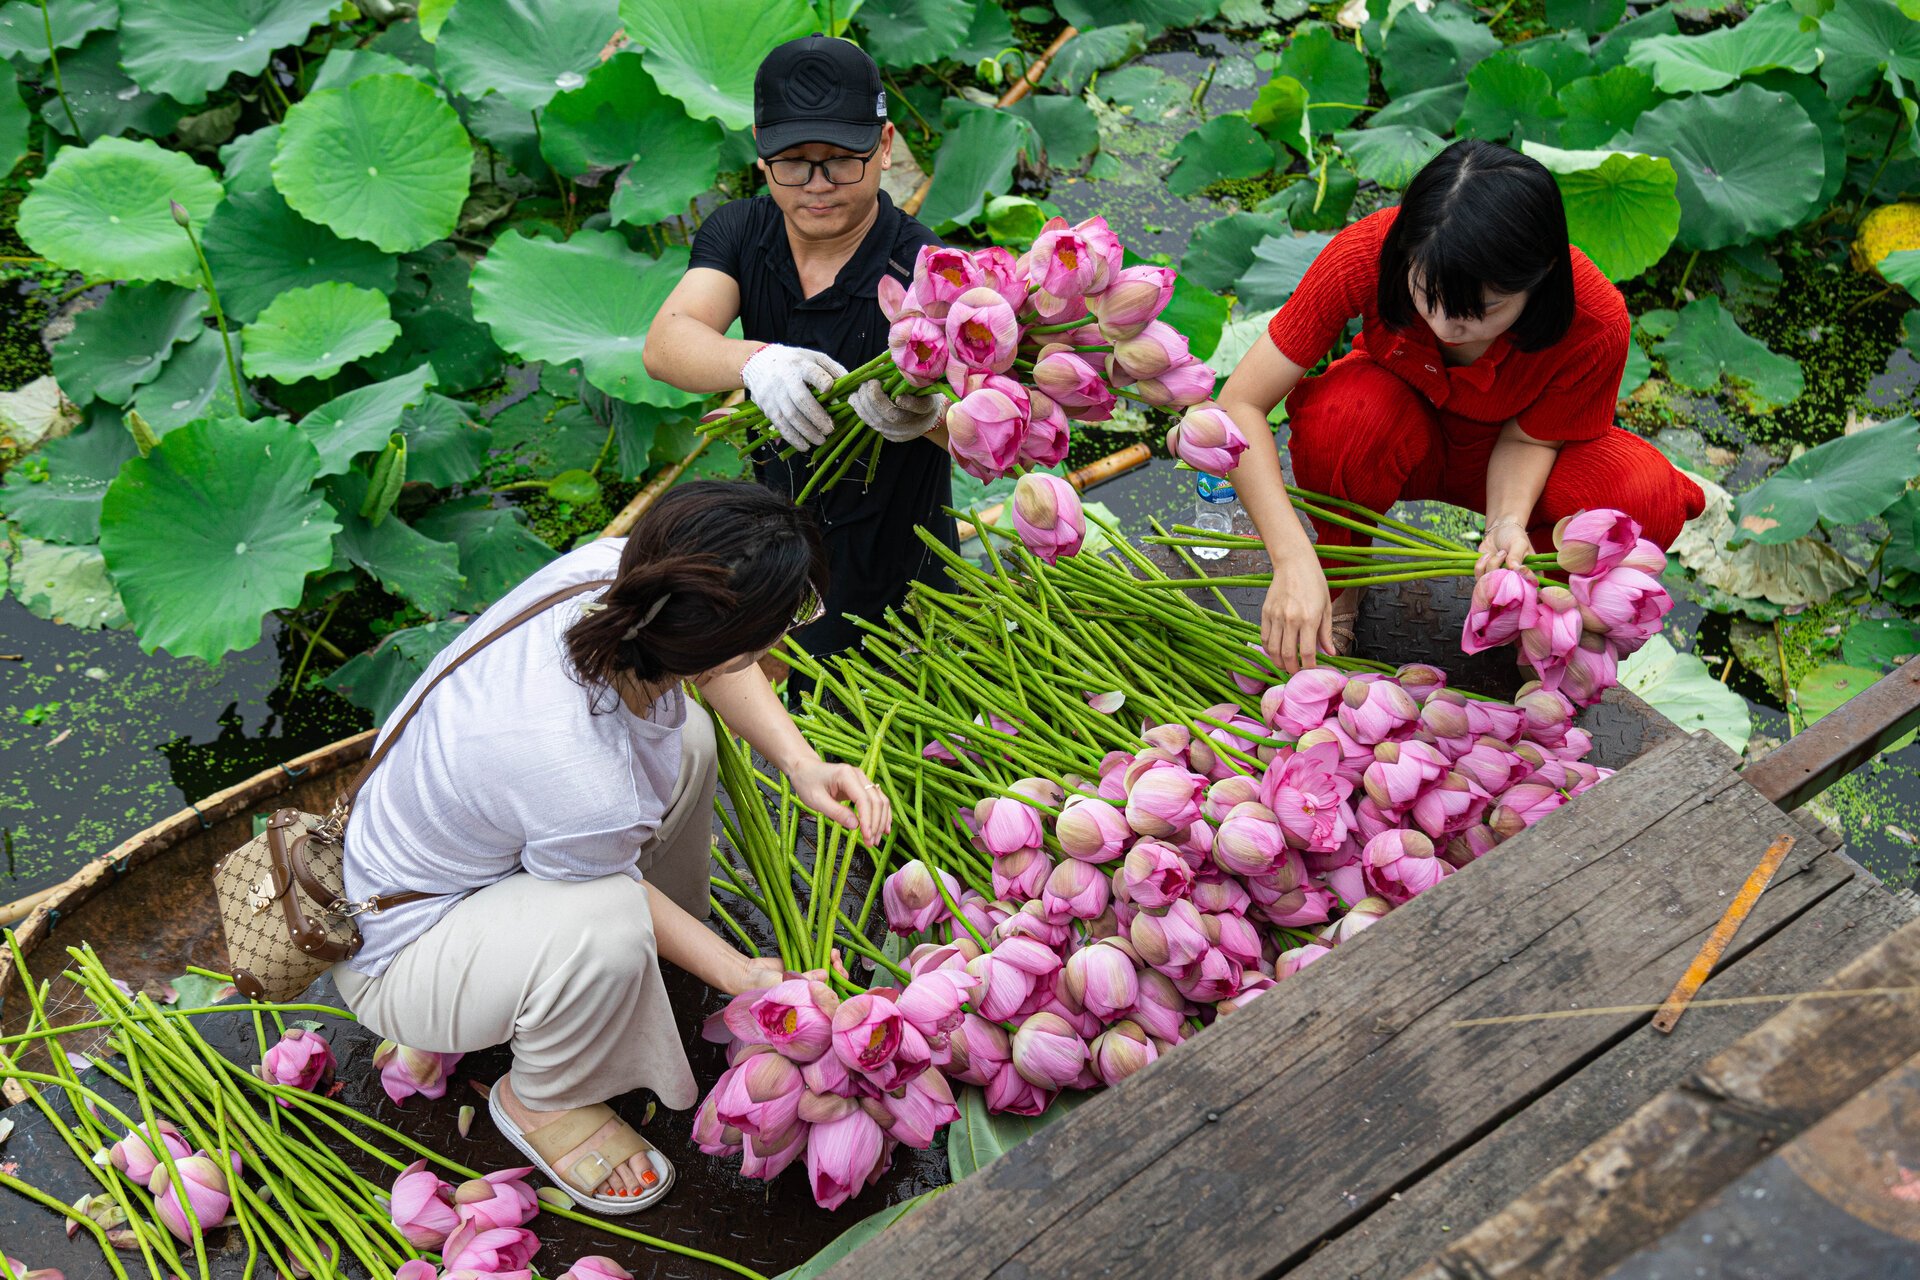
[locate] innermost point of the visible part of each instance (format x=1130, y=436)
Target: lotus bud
x=1595, y=541
x=918, y=346
x=929, y=957
x=1164, y=800
x=1103, y=979
x=1548, y=715
x=710, y=1135
x=986, y=428
x=1375, y=711
x=1121, y=1050
x=1217, y=893
x=595, y=1266
x=912, y=898
x=1073, y=383
x=1401, y=864
x=137, y=1157
x=1298, y=958
x=1047, y=516
x=1523, y=805
x=1250, y=841
x=503, y=1198
x=1021, y=875
x=1008, y=825
x=1012, y=1094
x=179, y=212
x=1445, y=719
x=1474, y=842
x=1304, y=702
x=1590, y=671
x=1047, y=1052
x=1623, y=604
x=1091, y=830
x=1252, y=983
x=489, y=1250
x=1574, y=745
x=1420, y=680
x=1170, y=939
x=1132, y=299
x=1076, y=891
x=405, y=1072
x=1154, y=874
x=1504, y=602
x=1401, y=771
x=931, y=1003
x=203, y=1183
x=1646, y=557
x=1207, y=439
x=1186, y=382
x=1234, y=936
x=301, y=1060
x=1452, y=804
x=1556, y=627
x=1161, y=1010
x=422, y=1207
x=1361, y=916
x=1009, y=976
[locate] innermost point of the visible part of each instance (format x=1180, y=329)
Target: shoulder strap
x=533, y=610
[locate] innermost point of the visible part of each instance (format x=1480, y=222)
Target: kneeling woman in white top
x=557, y=792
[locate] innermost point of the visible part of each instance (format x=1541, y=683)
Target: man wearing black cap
x=799, y=267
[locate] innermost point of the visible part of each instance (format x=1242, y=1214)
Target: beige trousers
x=565, y=971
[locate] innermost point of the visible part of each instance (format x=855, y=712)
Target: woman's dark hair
x=713, y=570
x=1481, y=215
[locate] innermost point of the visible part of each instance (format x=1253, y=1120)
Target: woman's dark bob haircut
x=1481, y=216
x=712, y=571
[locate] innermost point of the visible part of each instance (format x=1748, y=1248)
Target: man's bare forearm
x=693, y=356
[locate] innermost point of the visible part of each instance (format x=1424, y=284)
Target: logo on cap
x=810, y=85
x=880, y=105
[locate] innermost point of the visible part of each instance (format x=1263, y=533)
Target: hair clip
x=593, y=606
x=633, y=631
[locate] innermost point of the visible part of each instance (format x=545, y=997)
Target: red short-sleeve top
x=1564, y=392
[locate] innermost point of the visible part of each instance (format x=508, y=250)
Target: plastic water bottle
x=1215, y=506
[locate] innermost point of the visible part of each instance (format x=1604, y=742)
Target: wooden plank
x=1427, y=1215
x=1639, y=1180
x=1846, y=1186
x=1840, y=741
x=1292, y=1119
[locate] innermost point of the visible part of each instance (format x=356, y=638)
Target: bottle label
x=1213, y=489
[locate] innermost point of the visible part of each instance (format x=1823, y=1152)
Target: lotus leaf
x=1824, y=689
x=247, y=161
x=1222, y=250
x=497, y=553
x=1065, y=127
x=406, y=562
x=218, y=526
x=102, y=210
x=68, y=585
x=1637, y=370
x=194, y=383
x=1197, y=313
x=1610, y=50
x=187, y=48
x=1508, y=99
x=1224, y=147
x=1880, y=642
x=1149, y=92
x=1280, y=112
x=1434, y=48
x=1863, y=40
x=509, y=129
x=259, y=248
x=15, y=119
x=1707, y=343
x=1843, y=481
x=1389, y=154
x=1825, y=114
x=1903, y=529
x=706, y=54
x=316, y=330
x=384, y=159
x=1598, y=107
x=1239, y=336
x=975, y=162
x=988, y=35
x=36, y=412
x=23, y=29
x=445, y=446
x=1679, y=686
x=524, y=50
x=1154, y=15
x=1730, y=190
x=433, y=15
x=908, y=33
x=1805, y=571
x=1014, y=220
x=1770, y=38
x=345, y=65
x=856, y=1235
x=1310, y=207
x=1433, y=110
x=979, y=1137
x=65, y=507
x=1092, y=51
x=1590, y=16
x=105, y=102
x=1563, y=57
x=434, y=305
x=359, y=421
x=1621, y=209
x=1333, y=71
x=1279, y=263
x=1902, y=267
x=377, y=680
x=125, y=340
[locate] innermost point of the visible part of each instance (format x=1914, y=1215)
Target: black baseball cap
x=818, y=89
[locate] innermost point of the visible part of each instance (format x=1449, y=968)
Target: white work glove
x=782, y=381
x=897, y=421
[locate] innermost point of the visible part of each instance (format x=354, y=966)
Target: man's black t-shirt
x=872, y=548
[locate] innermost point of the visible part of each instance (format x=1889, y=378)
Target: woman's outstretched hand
x=844, y=795
x=1296, y=620
x=1505, y=546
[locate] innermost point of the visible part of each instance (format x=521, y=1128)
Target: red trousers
x=1360, y=433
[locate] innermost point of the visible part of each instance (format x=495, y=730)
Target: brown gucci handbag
x=282, y=895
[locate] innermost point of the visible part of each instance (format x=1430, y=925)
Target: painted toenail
x=648, y=1178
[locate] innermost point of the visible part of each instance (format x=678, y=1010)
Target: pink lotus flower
x=1000, y=272
x=1401, y=864
x=931, y=957
x=931, y=1005
x=712, y=1136
x=1061, y=267
x=845, y=1155
x=1210, y=979
x=1223, y=795
x=1164, y=800
x=489, y=1250
x=1161, y=1010
x=419, y=1269
x=979, y=1049
x=1491, y=763
x=1549, y=715
x=1308, y=797
x=919, y=348
x=204, y=1184
x=1304, y=702
x=1010, y=974
x=897, y=303
x=1304, y=905
x=1500, y=720
x=1249, y=842
x=1120, y=1051
x=1556, y=628
x=940, y=275
x=1171, y=939
x=1294, y=960
x=1647, y=557
x=595, y=1266
x=1595, y=541
x=1072, y=382
x=986, y=427
x=1021, y=875
x=790, y=1015
x=1047, y=1052
x=1522, y=806
x=1376, y=710
x=1048, y=436
x=982, y=335
x=1135, y=297
x=1621, y=603
x=1354, y=756
x=1474, y=842
x=301, y=1060
x=1109, y=256
x=1360, y=917
x=758, y=1095
x=1154, y=874
x=1046, y=515
x=1444, y=717
x=1103, y=979
x=1591, y=670
x=1420, y=679
x=136, y=1155
x=422, y=1206
x=1216, y=893
x=1235, y=936
x=870, y=1037
x=1008, y=825
x=916, y=1113
x=503, y=1198
x=1013, y=1094
x=1074, y=891
x=912, y=898
x=1207, y=439
x=1401, y=771
x=1091, y=830
x=405, y=1072
x=1149, y=353
x=1184, y=383
x=1452, y=804
x=1504, y=602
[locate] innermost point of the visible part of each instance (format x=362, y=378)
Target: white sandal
x=589, y=1143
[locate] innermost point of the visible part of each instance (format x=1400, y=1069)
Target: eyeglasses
x=810, y=609
x=841, y=171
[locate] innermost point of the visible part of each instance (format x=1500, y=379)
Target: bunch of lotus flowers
x=1573, y=637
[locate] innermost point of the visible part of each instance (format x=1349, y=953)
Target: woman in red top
x=1485, y=375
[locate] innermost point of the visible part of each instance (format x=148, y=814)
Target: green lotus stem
x=181, y=216
x=53, y=57
x=67, y=1211
x=1062, y=327
x=713, y=904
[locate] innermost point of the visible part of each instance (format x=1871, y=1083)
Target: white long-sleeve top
x=511, y=765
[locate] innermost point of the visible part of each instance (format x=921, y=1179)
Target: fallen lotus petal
x=596, y=1267
x=553, y=1198
x=1107, y=703
x=499, y=1199
x=465, y=1123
